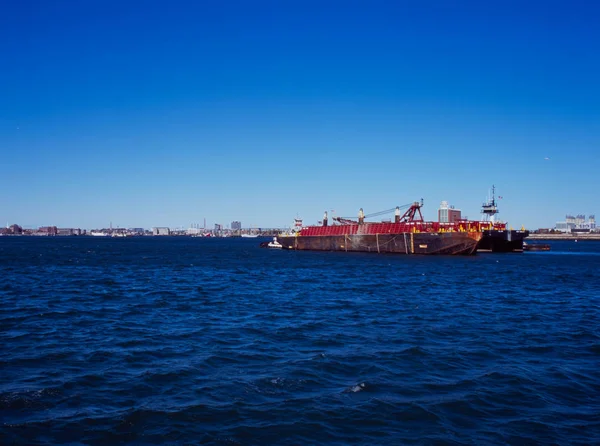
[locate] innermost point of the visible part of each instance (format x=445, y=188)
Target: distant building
x=193, y=231
x=68, y=231
x=161, y=231
x=576, y=224
x=218, y=227
x=564, y=226
x=15, y=229
x=49, y=230
x=447, y=214
x=236, y=225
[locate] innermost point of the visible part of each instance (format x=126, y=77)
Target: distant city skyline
x=237, y=225
x=166, y=114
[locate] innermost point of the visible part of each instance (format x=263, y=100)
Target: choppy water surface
x=200, y=341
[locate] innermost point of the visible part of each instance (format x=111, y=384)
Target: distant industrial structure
x=448, y=214
x=161, y=231
x=577, y=224
x=236, y=225
x=195, y=230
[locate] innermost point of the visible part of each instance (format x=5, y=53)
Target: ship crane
x=345, y=221
x=410, y=214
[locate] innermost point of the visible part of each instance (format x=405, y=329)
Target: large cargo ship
x=497, y=237
x=407, y=234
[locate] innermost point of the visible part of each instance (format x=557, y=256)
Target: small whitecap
x=356, y=388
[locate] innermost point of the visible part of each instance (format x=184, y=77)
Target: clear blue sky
x=155, y=113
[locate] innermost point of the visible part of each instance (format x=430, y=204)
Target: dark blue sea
x=216, y=341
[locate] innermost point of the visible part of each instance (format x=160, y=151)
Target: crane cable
x=376, y=214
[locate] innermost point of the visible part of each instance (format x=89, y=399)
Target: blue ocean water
x=216, y=341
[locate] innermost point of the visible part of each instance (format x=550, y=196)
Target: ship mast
x=489, y=208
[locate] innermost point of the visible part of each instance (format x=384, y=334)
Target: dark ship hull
x=452, y=243
x=495, y=240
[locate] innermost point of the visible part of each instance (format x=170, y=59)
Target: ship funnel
x=397, y=215
x=325, y=219
x=361, y=216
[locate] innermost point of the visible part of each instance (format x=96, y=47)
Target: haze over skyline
x=163, y=114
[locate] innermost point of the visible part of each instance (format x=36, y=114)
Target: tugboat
x=407, y=234
x=497, y=238
x=274, y=244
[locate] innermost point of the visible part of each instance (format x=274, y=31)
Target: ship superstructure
x=497, y=238
x=489, y=208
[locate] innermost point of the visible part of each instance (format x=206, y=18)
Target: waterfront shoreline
x=595, y=237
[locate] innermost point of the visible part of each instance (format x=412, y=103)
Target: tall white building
x=447, y=214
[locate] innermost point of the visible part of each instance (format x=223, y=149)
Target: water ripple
x=196, y=341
